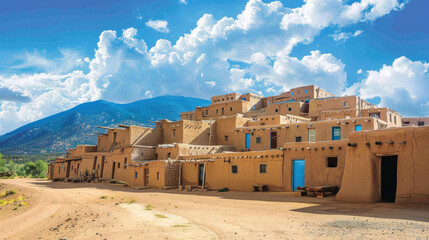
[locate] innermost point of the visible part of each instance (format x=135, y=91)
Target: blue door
x=336, y=133
x=358, y=128
x=247, y=141
x=298, y=174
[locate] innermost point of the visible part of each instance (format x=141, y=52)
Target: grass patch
x=7, y=193
x=103, y=197
x=23, y=204
x=149, y=207
x=132, y=201
x=180, y=225
x=15, y=208
x=160, y=216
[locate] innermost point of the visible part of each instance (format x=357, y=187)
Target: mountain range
x=79, y=125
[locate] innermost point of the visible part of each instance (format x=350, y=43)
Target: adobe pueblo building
x=306, y=137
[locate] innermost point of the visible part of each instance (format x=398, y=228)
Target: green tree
x=36, y=169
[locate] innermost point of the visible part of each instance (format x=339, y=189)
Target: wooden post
x=204, y=175
x=180, y=174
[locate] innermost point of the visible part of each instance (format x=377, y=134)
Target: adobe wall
x=107, y=142
x=145, y=136
x=317, y=172
x=392, y=118
x=156, y=167
x=191, y=132
x=229, y=108
x=179, y=149
x=219, y=175
x=414, y=121
x=288, y=132
x=361, y=181
x=283, y=108
x=225, y=127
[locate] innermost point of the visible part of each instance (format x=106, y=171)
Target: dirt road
x=103, y=211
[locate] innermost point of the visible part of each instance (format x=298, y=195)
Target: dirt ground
x=105, y=211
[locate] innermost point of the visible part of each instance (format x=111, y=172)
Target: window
x=136, y=175
x=291, y=93
x=168, y=155
x=174, y=133
x=258, y=140
x=346, y=104
x=119, y=165
x=277, y=110
x=158, y=176
x=311, y=135
x=262, y=124
x=419, y=123
x=306, y=91
x=234, y=169
x=114, y=137
x=394, y=119
x=332, y=162
x=358, y=128
x=263, y=168
x=226, y=138
x=390, y=117
x=336, y=133
x=217, y=111
x=290, y=109
x=125, y=163
x=298, y=139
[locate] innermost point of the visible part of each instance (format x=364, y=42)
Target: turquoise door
x=336, y=133
x=358, y=128
x=298, y=174
x=247, y=141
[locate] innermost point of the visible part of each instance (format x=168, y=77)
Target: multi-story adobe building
x=304, y=137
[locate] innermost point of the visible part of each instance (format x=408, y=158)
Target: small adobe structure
x=303, y=137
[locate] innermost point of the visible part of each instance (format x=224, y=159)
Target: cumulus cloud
x=183, y=1
x=7, y=94
x=402, y=86
x=248, y=52
x=158, y=25
x=343, y=36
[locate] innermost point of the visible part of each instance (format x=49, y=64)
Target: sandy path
x=75, y=211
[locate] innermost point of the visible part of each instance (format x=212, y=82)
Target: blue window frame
x=358, y=128
x=306, y=91
x=336, y=133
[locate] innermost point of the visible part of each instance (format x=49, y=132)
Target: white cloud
x=158, y=25
x=199, y=64
x=211, y=83
x=402, y=86
x=359, y=71
x=343, y=36
x=183, y=1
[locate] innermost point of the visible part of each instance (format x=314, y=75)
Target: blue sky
x=57, y=54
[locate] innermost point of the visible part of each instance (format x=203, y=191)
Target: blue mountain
x=77, y=125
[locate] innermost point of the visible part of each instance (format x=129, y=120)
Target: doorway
x=200, y=174
x=146, y=177
x=389, y=171
x=273, y=140
x=68, y=169
x=298, y=174
x=113, y=170
x=103, y=159
x=247, y=141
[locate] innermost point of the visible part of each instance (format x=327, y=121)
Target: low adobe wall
x=361, y=181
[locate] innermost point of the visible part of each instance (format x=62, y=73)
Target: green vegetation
x=180, y=225
x=132, y=201
x=149, y=207
x=10, y=169
x=103, y=197
x=160, y=216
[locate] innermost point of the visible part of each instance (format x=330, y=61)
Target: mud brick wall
x=172, y=173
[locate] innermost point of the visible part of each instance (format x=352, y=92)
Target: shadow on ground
x=325, y=206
